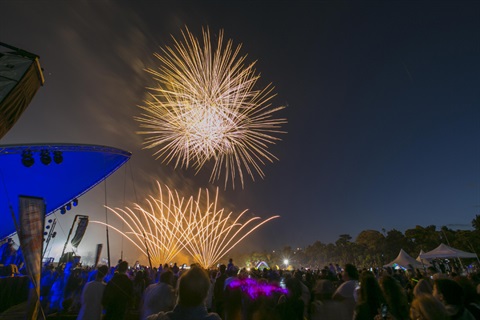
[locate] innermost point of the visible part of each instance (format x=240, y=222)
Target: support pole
x=148, y=252
x=106, y=226
x=68, y=238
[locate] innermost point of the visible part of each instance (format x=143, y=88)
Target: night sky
x=383, y=107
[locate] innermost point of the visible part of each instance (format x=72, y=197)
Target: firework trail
x=171, y=223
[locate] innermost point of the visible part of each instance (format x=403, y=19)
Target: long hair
x=395, y=297
x=370, y=292
x=428, y=307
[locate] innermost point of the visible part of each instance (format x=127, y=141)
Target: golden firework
x=172, y=223
x=206, y=107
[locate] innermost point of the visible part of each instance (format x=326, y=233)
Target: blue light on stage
x=28, y=170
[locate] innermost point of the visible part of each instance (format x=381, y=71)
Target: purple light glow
x=256, y=289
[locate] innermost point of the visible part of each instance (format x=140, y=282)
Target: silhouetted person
x=118, y=295
x=192, y=292
x=218, y=290
x=159, y=296
x=451, y=294
x=291, y=305
x=345, y=293
x=230, y=265
x=323, y=307
x=92, y=294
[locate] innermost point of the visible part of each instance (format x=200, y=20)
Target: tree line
x=371, y=248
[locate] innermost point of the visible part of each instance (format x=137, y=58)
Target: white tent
x=423, y=261
x=404, y=260
x=444, y=251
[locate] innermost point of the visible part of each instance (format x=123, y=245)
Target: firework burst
x=206, y=108
x=172, y=223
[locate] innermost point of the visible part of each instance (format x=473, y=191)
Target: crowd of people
x=230, y=293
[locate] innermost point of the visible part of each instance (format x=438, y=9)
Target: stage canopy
x=404, y=260
x=59, y=173
x=444, y=251
x=20, y=78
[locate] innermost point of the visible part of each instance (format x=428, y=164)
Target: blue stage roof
x=81, y=168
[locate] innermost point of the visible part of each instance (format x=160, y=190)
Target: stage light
x=27, y=158
x=75, y=202
x=69, y=206
x=63, y=210
x=57, y=157
x=45, y=157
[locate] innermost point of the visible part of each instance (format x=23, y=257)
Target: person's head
x=395, y=296
x=232, y=272
x=294, y=288
x=350, y=272
x=448, y=292
x=298, y=275
x=427, y=307
x=122, y=267
x=193, y=287
x=323, y=289
x=370, y=291
x=222, y=268
x=470, y=292
x=431, y=271
x=167, y=277
x=102, y=272
x=424, y=286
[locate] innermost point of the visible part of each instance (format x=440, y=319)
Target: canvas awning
x=404, y=260
x=20, y=78
x=423, y=261
x=444, y=251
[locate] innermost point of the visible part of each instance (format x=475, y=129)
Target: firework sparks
x=172, y=223
x=206, y=108
x=156, y=229
x=212, y=233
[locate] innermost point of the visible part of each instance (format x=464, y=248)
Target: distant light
x=285, y=262
x=75, y=202
x=63, y=210
x=69, y=206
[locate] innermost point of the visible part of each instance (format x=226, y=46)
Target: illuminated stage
x=58, y=173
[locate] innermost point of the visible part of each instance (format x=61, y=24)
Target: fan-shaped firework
x=156, y=231
x=206, y=108
x=210, y=233
x=172, y=223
